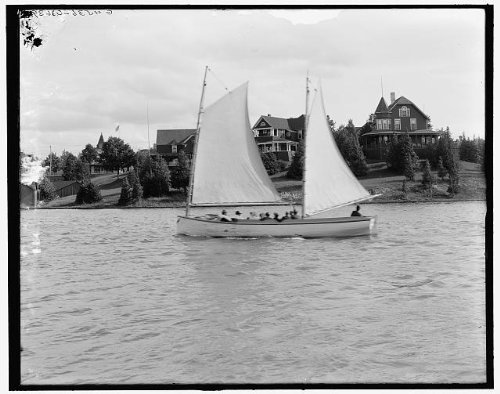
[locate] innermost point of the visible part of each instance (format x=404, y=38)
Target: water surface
x=113, y=296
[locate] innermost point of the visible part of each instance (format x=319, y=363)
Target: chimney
x=393, y=97
x=268, y=114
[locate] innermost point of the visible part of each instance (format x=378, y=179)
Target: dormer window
x=404, y=112
x=174, y=148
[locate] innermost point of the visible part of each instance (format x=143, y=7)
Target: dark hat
x=238, y=213
x=223, y=211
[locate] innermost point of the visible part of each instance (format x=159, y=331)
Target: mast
x=304, y=137
x=195, y=149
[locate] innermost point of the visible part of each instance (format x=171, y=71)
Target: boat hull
x=305, y=228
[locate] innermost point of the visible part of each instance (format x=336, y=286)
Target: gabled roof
x=173, y=136
x=291, y=124
x=382, y=106
x=404, y=101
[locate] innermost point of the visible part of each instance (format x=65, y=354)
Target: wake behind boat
x=236, y=177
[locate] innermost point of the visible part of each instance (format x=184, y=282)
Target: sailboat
x=227, y=171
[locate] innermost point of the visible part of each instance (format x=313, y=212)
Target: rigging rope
x=218, y=80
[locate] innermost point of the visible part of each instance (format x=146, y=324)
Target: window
x=264, y=133
x=174, y=148
x=386, y=123
x=404, y=112
x=413, y=123
x=379, y=124
x=397, y=124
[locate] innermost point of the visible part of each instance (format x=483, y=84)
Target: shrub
x=88, y=193
x=469, y=151
x=47, y=190
x=348, y=143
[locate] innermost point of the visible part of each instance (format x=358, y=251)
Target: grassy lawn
x=379, y=180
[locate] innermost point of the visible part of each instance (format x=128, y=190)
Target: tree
x=125, y=195
x=89, y=154
x=401, y=157
x=440, y=168
x=468, y=150
x=47, y=190
x=179, y=178
x=88, y=193
x=56, y=162
x=427, y=178
x=347, y=141
x=116, y=154
x=297, y=166
x=73, y=168
x=135, y=185
x=155, y=180
x=68, y=165
x=271, y=163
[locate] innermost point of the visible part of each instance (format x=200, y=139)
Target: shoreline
x=183, y=205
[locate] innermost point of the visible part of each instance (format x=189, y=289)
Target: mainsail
x=229, y=170
x=328, y=181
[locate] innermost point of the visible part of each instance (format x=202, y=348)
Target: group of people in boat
x=224, y=217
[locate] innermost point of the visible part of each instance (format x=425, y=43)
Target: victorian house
x=96, y=167
x=401, y=116
x=279, y=135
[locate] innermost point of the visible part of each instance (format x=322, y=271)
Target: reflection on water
x=113, y=296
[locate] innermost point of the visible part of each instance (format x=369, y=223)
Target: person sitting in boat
x=293, y=214
x=253, y=216
x=223, y=216
x=265, y=217
x=286, y=217
x=276, y=217
x=356, y=212
x=238, y=216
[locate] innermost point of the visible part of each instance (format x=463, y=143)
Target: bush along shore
x=379, y=180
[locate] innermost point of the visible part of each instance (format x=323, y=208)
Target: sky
x=143, y=69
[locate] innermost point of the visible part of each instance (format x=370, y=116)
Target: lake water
x=112, y=296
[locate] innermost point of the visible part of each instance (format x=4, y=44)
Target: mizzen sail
x=229, y=170
x=328, y=181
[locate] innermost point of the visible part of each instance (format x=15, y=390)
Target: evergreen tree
x=468, y=151
x=271, y=163
x=88, y=193
x=297, y=166
x=47, y=190
x=440, y=168
x=401, y=157
x=348, y=144
x=155, y=182
x=135, y=185
x=125, y=192
x=179, y=177
x=427, y=178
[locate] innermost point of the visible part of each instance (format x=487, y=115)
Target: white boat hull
x=305, y=228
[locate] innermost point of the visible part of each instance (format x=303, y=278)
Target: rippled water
x=112, y=296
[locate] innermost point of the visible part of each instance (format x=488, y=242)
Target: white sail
x=229, y=170
x=328, y=181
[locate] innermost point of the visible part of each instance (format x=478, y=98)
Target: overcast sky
x=95, y=72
